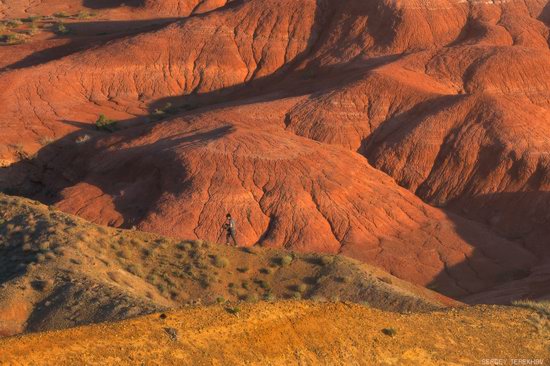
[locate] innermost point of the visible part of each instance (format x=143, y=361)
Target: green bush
x=105, y=124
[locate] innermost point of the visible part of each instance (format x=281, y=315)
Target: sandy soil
x=292, y=333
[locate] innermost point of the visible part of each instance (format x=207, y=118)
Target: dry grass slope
x=290, y=333
x=57, y=271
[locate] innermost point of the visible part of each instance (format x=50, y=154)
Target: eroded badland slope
x=269, y=109
x=292, y=114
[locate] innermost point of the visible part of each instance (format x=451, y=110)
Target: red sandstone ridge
x=276, y=106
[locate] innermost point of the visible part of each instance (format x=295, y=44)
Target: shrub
x=82, y=139
x=220, y=262
x=251, y=298
x=61, y=28
x=233, y=310
x=46, y=140
x=326, y=260
x=220, y=299
x=31, y=19
x=44, y=246
x=163, y=112
x=344, y=279
x=285, y=261
x=13, y=23
x=318, y=298
x=12, y=39
x=61, y=14
x=389, y=332
x=263, y=284
x=301, y=288
x=50, y=256
x=266, y=271
x=84, y=14
x=105, y=124
x=296, y=295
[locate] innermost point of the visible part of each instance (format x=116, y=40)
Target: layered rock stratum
x=412, y=135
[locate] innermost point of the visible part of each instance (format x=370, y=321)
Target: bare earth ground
x=293, y=333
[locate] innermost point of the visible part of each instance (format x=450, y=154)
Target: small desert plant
x=344, y=279
x=285, y=260
x=105, y=124
x=318, y=298
x=266, y=271
x=44, y=246
x=296, y=295
x=61, y=28
x=11, y=39
x=301, y=288
x=34, y=29
x=243, y=269
x=31, y=19
x=220, y=300
x=50, y=256
x=233, y=310
x=220, y=262
x=389, y=331
x=61, y=14
x=84, y=14
x=326, y=260
x=46, y=140
x=163, y=112
x=13, y=23
x=263, y=284
x=82, y=139
x=251, y=298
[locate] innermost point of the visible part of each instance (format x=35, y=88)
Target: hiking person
x=229, y=226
